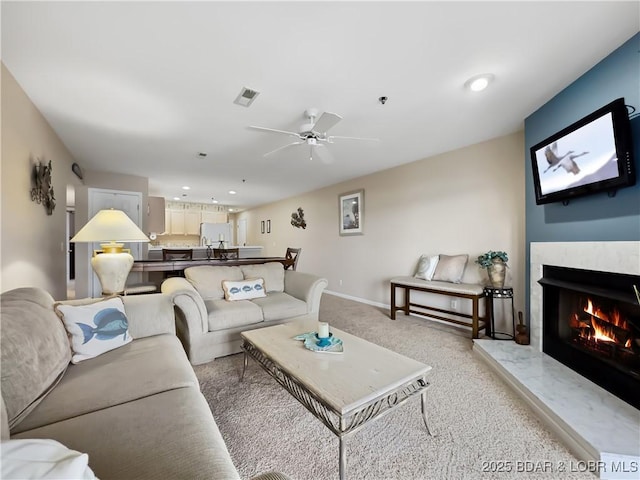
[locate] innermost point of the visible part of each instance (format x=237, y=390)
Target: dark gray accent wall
x=596, y=217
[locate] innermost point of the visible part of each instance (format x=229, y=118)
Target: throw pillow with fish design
x=95, y=328
x=244, y=289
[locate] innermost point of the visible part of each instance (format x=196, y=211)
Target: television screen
x=591, y=155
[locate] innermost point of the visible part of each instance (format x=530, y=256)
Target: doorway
x=71, y=255
x=242, y=232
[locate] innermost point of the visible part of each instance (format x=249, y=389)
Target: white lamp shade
x=110, y=226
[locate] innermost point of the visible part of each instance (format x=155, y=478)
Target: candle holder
x=223, y=251
x=324, y=342
x=209, y=252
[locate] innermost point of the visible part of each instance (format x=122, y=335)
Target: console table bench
x=460, y=290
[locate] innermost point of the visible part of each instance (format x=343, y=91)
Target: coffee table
x=345, y=390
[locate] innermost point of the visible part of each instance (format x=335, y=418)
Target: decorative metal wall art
x=297, y=219
x=42, y=191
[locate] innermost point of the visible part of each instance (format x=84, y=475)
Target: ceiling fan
x=312, y=133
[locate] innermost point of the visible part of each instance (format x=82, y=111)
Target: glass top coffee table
x=345, y=390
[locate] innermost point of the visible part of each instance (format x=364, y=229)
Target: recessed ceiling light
x=176, y=198
x=232, y=192
x=186, y=188
x=231, y=209
x=213, y=200
x=479, y=82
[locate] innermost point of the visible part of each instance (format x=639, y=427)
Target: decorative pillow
x=95, y=328
x=427, y=266
x=450, y=268
x=43, y=458
x=243, y=290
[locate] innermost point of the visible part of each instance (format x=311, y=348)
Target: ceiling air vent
x=246, y=97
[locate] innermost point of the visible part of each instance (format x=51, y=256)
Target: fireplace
x=591, y=323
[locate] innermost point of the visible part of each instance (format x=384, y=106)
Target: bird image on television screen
x=568, y=164
x=566, y=161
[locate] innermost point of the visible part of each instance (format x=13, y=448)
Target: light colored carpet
x=480, y=425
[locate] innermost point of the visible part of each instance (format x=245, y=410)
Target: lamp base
x=112, y=269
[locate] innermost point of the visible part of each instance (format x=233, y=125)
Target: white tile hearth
x=596, y=425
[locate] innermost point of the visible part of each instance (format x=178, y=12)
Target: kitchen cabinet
x=167, y=222
x=214, y=217
x=192, y=222
x=176, y=222
x=156, y=215
x=184, y=222
x=182, y=218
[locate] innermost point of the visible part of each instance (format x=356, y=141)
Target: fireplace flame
x=602, y=324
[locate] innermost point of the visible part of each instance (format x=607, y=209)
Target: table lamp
x=112, y=228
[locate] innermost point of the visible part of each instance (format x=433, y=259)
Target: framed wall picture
x=262, y=226
x=268, y=226
x=351, y=211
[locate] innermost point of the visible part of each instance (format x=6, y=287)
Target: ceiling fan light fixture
x=478, y=83
x=312, y=133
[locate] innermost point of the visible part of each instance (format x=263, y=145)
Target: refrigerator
x=211, y=233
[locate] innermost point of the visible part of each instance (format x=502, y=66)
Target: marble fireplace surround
x=569, y=404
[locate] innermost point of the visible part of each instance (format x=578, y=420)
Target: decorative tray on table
x=311, y=340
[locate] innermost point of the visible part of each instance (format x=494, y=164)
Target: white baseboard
x=358, y=299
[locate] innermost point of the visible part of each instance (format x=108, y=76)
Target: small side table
x=504, y=292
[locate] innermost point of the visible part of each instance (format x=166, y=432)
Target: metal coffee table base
x=341, y=424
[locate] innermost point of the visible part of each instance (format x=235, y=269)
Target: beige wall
x=33, y=244
x=466, y=201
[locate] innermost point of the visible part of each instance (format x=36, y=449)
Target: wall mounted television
x=592, y=155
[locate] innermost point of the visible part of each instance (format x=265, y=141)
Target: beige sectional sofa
x=209, y=324
x=137, y=410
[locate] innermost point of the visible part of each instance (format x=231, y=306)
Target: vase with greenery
x=496, y=264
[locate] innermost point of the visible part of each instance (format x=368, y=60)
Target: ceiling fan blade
x=265, y=129
x=326, y=121
x=330, y=139
x=282, y=148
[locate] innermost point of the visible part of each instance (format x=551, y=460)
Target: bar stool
x=169, y=254
x=293, y=254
